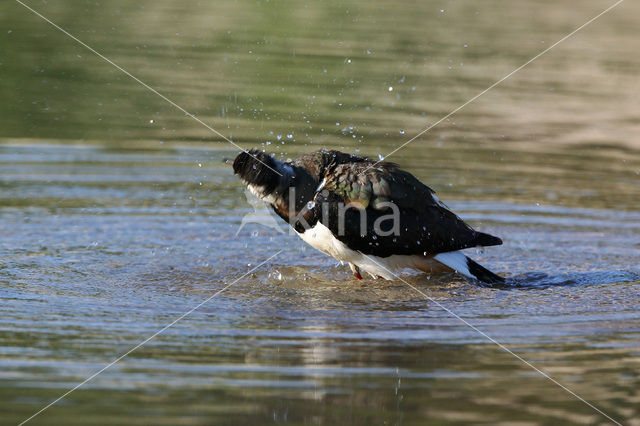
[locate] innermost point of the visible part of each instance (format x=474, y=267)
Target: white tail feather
x=455, y=260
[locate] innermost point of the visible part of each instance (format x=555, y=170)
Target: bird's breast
x=321, y=238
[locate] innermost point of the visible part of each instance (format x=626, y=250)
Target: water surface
x=117, y=214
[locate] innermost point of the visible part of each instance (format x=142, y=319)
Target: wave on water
x=541, y=280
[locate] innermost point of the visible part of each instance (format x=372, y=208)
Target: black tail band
x=482, y=273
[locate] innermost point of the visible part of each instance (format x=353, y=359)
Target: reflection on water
x=101, y=248
x=117, y=214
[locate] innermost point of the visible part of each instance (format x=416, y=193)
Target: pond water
x=118, y=215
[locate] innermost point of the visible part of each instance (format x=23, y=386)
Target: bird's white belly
x=321, y=238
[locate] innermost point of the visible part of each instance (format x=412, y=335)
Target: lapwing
x=371, y=214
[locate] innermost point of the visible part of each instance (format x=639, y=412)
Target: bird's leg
x=355, y=270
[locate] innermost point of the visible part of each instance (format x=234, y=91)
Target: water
x=118, y=214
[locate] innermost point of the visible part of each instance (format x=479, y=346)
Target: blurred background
x=117, y=213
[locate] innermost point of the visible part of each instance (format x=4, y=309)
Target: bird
x=373, y=215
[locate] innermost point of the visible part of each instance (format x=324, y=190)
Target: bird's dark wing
x=384, y=210
x=373, y=186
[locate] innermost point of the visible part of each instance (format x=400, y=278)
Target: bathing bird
x=373, y=215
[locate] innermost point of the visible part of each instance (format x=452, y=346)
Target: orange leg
x=355, y=270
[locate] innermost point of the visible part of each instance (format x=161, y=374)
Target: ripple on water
x=97, y=258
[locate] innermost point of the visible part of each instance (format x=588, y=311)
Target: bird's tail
x=466, y=266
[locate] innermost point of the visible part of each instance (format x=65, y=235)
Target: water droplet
x=391, y=88
x=380, y=157
x=151, y=121
x=276, y=275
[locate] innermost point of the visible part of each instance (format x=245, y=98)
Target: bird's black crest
x=257, y=168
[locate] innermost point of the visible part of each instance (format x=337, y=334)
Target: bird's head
x=261, y=172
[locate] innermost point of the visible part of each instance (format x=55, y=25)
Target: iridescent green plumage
x=376, y=186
